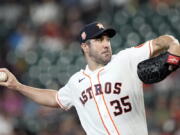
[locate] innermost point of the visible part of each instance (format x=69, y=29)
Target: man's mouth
x=106, y=52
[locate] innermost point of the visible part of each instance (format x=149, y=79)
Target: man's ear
x=84, y=47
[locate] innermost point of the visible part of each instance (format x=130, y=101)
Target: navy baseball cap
x=94, y=30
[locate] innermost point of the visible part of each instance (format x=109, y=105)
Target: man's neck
x=94, y=67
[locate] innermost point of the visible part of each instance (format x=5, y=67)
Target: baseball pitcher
x=108, y=93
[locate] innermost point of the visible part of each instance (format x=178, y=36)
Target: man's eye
x=98, y=39
x=108, y=39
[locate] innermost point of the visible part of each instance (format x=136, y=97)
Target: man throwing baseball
x=108, y=93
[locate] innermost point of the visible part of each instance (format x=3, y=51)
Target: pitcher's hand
x=11, y=82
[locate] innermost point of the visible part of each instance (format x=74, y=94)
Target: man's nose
x=105, y=44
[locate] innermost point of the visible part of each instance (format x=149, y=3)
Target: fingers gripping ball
x=3, y=77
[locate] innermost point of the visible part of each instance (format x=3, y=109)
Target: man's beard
x=101, y=60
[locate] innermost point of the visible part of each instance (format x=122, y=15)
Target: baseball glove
x=158, y=68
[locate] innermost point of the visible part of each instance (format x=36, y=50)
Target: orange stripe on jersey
x=106, y=105
x=97, y=105
x=138, y=46
x=60, y=104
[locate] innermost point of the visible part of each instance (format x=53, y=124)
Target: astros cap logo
x=100, y=26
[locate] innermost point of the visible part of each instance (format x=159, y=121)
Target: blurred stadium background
x=38, y=43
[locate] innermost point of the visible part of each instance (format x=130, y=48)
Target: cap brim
x=109, y=32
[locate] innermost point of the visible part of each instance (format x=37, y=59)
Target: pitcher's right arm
x=45, y=97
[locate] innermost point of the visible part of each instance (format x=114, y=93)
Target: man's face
x=100, y=50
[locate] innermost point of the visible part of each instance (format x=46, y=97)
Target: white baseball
x=3, y=77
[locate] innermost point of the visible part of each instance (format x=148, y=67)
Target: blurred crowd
x=39, y=44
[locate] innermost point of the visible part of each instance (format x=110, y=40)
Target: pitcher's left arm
x=159, y=66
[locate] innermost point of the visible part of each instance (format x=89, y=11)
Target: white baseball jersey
x=109, y=100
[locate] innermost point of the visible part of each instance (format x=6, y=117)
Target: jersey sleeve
x=134, y=55
x=140, y=52
x=64, y=96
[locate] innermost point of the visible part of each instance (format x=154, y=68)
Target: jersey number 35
x=121, y=106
